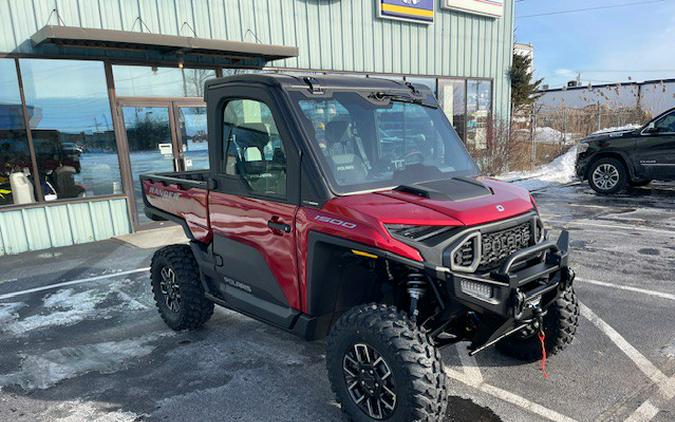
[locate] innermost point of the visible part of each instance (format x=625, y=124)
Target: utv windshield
x=368, y=143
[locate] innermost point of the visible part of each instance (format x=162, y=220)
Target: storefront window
x=452, y=97
x=146, y=81
x=16, y=179
x=71, y=126
x=479, y=106
x=192, y=137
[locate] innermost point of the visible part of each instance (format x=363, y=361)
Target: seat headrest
x=336, y=131
x=252, y=135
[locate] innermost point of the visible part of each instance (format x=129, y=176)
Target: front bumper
x=523, y=279
x=516, y=295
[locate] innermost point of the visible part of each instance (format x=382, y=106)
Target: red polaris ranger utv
x=349, y=208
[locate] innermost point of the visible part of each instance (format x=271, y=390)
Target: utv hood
x=470, y=201
x=457, y=201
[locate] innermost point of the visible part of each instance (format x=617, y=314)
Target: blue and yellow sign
x=421, y=11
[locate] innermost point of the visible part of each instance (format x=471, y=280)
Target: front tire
x=560, y=326
x=383, y=367
x=177, y=288
x=607, y=176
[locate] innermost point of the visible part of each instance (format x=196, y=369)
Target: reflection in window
x=71, y=126
x=145, y=81
x=192, y=133
x=253, y=147
x=452, y=97
x=429, y=82
x=150, y=145
x=479, y=106
x=16, y=180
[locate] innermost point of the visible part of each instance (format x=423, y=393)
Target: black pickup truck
x=613, y=160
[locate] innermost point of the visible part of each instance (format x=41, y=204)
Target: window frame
x=226, y=157
x=234, y=184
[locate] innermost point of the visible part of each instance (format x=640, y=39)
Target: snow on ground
x=44, y=370
x=66, y=307
x=625, y=128
x=558, y=172
x=548, y=135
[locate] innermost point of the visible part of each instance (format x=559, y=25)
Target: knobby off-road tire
x=177, y=289
x=607, y=176
x=560, y=326
x=417, y=376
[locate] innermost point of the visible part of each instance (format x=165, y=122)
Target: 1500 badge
x=335, y=221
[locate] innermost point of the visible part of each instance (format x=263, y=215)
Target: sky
x=605, y=45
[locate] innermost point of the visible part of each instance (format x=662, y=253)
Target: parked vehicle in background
x=613, y=160
x=349, y=208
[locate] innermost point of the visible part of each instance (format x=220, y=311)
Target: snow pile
x=626, y=128
x=548, y=135
x=557, y=172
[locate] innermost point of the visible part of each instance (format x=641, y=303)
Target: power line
x=587, y=9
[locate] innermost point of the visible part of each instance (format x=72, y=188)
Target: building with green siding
x=94, y=93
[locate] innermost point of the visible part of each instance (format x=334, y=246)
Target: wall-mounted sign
x=494, y=8
x=421, y=11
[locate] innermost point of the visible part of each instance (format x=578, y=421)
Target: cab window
x=252, y=147
x=666, y=124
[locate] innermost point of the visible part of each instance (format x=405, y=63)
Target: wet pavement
x=96, y=349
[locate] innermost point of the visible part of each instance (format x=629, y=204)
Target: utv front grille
x=484, y=250
x=498, y=245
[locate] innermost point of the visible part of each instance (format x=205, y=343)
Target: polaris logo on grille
x=500, y=208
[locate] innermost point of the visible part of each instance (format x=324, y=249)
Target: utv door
x=253, y=207
x=655, y=149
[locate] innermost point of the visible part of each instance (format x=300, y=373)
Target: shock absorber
x=417, y=286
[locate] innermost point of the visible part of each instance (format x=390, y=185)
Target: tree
x=524, y=90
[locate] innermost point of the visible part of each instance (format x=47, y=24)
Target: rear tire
x=177, y=288
x=416, y=387
x=560, y=326
x=607, y=176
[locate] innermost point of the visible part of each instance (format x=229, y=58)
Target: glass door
x=161, y=135
x=191, y=134
x=150, y=144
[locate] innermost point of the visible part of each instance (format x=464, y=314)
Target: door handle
x=277, y=226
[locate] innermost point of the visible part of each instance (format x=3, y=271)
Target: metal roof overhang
x=69, y=36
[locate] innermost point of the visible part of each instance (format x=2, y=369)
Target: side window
x=252, y=147
x=666, y=124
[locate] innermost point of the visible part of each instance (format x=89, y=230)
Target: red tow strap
x=542, y=338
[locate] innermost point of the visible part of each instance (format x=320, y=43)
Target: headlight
x=582, y=147
x=417, y=233
x=477, y=289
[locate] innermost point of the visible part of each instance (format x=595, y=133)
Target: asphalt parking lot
x=81, y=340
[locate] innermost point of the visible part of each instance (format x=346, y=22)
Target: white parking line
x=508, y=396
x=655, y=293
x=647, y=368
x=648, y=410
x=644, y=413
x=72, y=282
x=611, y=226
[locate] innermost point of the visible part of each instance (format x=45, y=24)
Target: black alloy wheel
x=170, y=289
x=369, y=381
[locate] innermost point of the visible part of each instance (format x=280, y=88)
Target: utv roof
x=308, y=81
